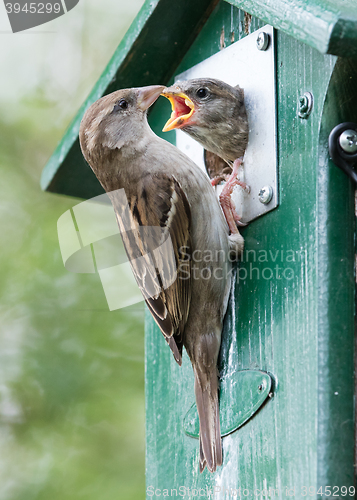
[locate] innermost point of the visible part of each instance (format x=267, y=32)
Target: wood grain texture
x=326, y=25
x=297, y=325
x=336, y=302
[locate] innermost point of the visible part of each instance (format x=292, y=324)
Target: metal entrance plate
x=252, y=69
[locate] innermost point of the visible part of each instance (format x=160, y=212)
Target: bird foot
x=237, y=217
x=231, y=178
x=229, y=211
x=244, y=186
x=227, y=204
x=219, y=178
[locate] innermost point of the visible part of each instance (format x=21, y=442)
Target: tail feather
x=206, y=390
x=203, y=462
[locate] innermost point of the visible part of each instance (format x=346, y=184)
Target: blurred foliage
x=71, y=372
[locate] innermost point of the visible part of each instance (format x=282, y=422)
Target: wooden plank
x=336, y=300
x=148, y=54
x=326, y=25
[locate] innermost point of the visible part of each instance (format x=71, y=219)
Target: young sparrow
x=166, y=190
x=213, y=113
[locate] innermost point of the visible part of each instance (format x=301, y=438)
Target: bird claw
x=243, y=185
x=219, y=178
x=237, y=218
x=227, y=204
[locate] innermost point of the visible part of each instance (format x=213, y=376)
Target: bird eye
x=122, y=104
x=202, y=92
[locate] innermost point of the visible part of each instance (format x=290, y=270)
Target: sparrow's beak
x=148, y=95
x=182, y=109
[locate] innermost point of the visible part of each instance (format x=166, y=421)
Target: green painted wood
x=292, y=310
x=241, y=395
x=329, y=26
x=335, y=197
x=153, y=46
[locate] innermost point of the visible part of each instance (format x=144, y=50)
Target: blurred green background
x=71, y=372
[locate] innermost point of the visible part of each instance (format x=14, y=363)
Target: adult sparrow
x=213, y=113
x=165, y=190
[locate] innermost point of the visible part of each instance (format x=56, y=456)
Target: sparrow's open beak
x=148, y=95
x=182, y=109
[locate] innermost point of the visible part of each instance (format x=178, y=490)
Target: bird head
x=212, y=112
x=201, y=102
x=116, y=120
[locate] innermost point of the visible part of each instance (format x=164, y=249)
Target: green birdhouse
x=287, y=357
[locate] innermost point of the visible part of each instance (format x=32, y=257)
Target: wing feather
x=160, y=220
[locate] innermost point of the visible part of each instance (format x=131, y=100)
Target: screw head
x=348, y=141
x=305, y=104
x=262, y=40
x=265, y=195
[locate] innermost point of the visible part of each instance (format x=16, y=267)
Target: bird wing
x=159, y=248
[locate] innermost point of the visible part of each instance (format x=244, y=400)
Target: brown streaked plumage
x=216, y=167
x=213, y=113
x=165, y=189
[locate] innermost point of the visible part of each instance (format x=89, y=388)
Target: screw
x=262, y=41
x=348, y=141
x=305, y=104
x=265, y=194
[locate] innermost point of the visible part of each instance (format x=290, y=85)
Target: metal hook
x=342, y=144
